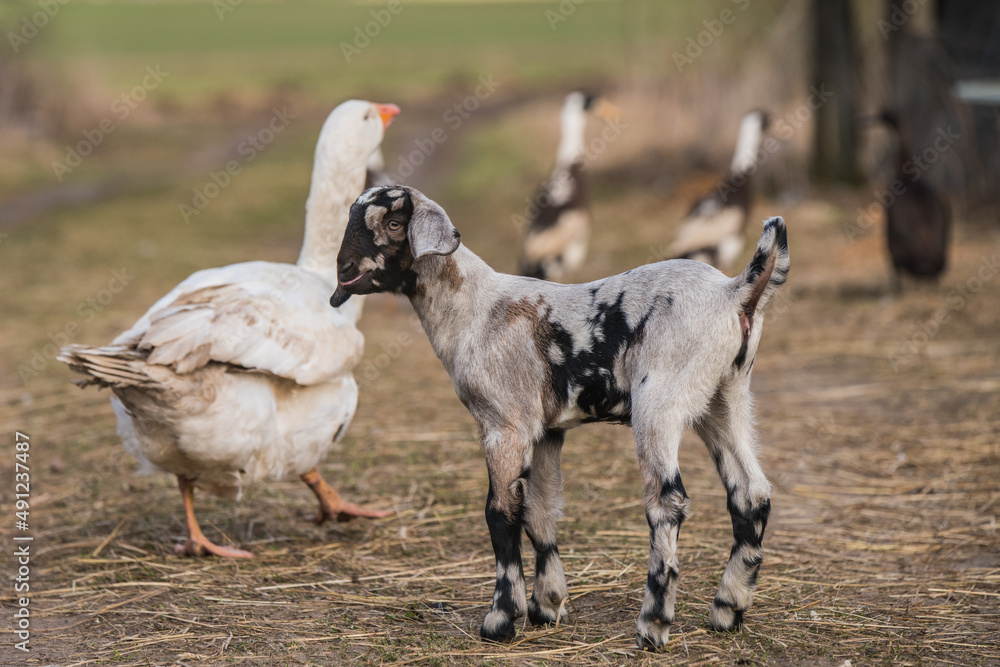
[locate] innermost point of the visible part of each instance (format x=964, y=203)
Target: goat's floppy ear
x=430, y=231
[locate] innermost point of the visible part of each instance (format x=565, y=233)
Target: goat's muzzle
x=340, y=297
x=344, y=267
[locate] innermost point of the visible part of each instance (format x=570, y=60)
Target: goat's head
x=389, y=230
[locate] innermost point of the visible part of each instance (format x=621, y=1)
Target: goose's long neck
x=747, y=144
x=574, y=125
x=450, y=291
x=336, y=182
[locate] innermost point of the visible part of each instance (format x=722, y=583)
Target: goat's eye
x=368, y=115
x=393, y=225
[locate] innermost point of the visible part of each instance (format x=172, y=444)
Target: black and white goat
x=662, y=347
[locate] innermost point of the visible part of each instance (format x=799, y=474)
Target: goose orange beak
x=387, y=112
x=605, y=110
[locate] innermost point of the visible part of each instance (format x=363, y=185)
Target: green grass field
x=258, y=45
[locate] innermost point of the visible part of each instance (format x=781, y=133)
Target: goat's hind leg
x=666, y=508
x=727, y=429
x=542, y=508
x=505, y=517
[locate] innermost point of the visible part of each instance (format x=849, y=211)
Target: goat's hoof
x=645, y=643
x=652, y=635
x=724, y=617
x=538, y=615
x=498, y=627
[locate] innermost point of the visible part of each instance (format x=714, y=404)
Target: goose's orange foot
x=202, y=547
x=348, y=511
x=197, y=544
x=331, y=505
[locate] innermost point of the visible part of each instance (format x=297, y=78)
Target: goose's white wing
x=257, y=315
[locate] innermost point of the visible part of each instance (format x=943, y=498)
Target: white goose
x=713, y=230
x=555, y=240
x=243, y=373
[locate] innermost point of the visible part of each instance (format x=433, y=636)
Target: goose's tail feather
x=116, y=366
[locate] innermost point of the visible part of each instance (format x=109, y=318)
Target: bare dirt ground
x=880, y=433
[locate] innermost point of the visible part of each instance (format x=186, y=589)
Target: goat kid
x=662, y=347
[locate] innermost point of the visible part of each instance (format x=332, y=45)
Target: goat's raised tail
x=766, y=272
x=763, y=277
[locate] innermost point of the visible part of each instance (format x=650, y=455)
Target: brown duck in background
x=918, y=220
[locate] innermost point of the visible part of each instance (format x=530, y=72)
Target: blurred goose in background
x=555, y=239
x=243, y=373
x=713, y=230
x=918, y=221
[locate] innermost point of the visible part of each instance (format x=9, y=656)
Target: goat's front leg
x=666, y=508
x=727, y=430
x=505, y=517
x=542, y=508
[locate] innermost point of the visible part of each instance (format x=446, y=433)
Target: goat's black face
x=375, y=255
x=389, y=228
